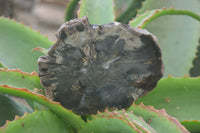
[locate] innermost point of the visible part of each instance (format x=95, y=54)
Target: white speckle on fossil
x=107, y=64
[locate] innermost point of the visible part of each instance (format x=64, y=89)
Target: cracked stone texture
x=93, y=67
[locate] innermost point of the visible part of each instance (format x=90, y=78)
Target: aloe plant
x=172, y=106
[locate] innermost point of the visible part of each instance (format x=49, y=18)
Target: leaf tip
x=170, y=76
x=41, y=50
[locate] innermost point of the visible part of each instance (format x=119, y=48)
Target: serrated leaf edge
x=163, y=113
x=164, y=11
x=66, y=115
x=129, y=11
x=124, y=117
x=19, y=71
x=15, y=118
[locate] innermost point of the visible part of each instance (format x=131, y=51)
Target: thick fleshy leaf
x=19, y=79
x=177, y=35
x=67, y=116
x=116, y=122
x=98, y=11
x=158, y=119
x=101, y=125
x=120, y=6
x=192, y=126
x=131, y=9
x=2, y=66
x=142, y=20
x=70, y=10
x=195, y=70
x=17, y=42
x=179, y=96
x=9, y=108
x=38, y=122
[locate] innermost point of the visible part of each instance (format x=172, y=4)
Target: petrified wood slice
x=93, y=67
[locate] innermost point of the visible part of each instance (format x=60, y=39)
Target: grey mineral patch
x=93, y=67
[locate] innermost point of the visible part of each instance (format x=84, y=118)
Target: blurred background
x=43, y=15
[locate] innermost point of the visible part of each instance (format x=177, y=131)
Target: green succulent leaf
x=192, y=126
x=130, y=12
x=98, y=11
x=142, y=20
x=2, y=66
x=100, y=125
x=70, y=10
x=158, y=119
x=177, y=35
x=179, y=96
x=67, y=116
x=39, y=122
x=17, y=42
x=9, y=108
x=138, y=118
x=120, y=6
x=116, y=122
x=195, y=70
x=19, y=79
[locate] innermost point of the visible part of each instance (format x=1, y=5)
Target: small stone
x=94, y=67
